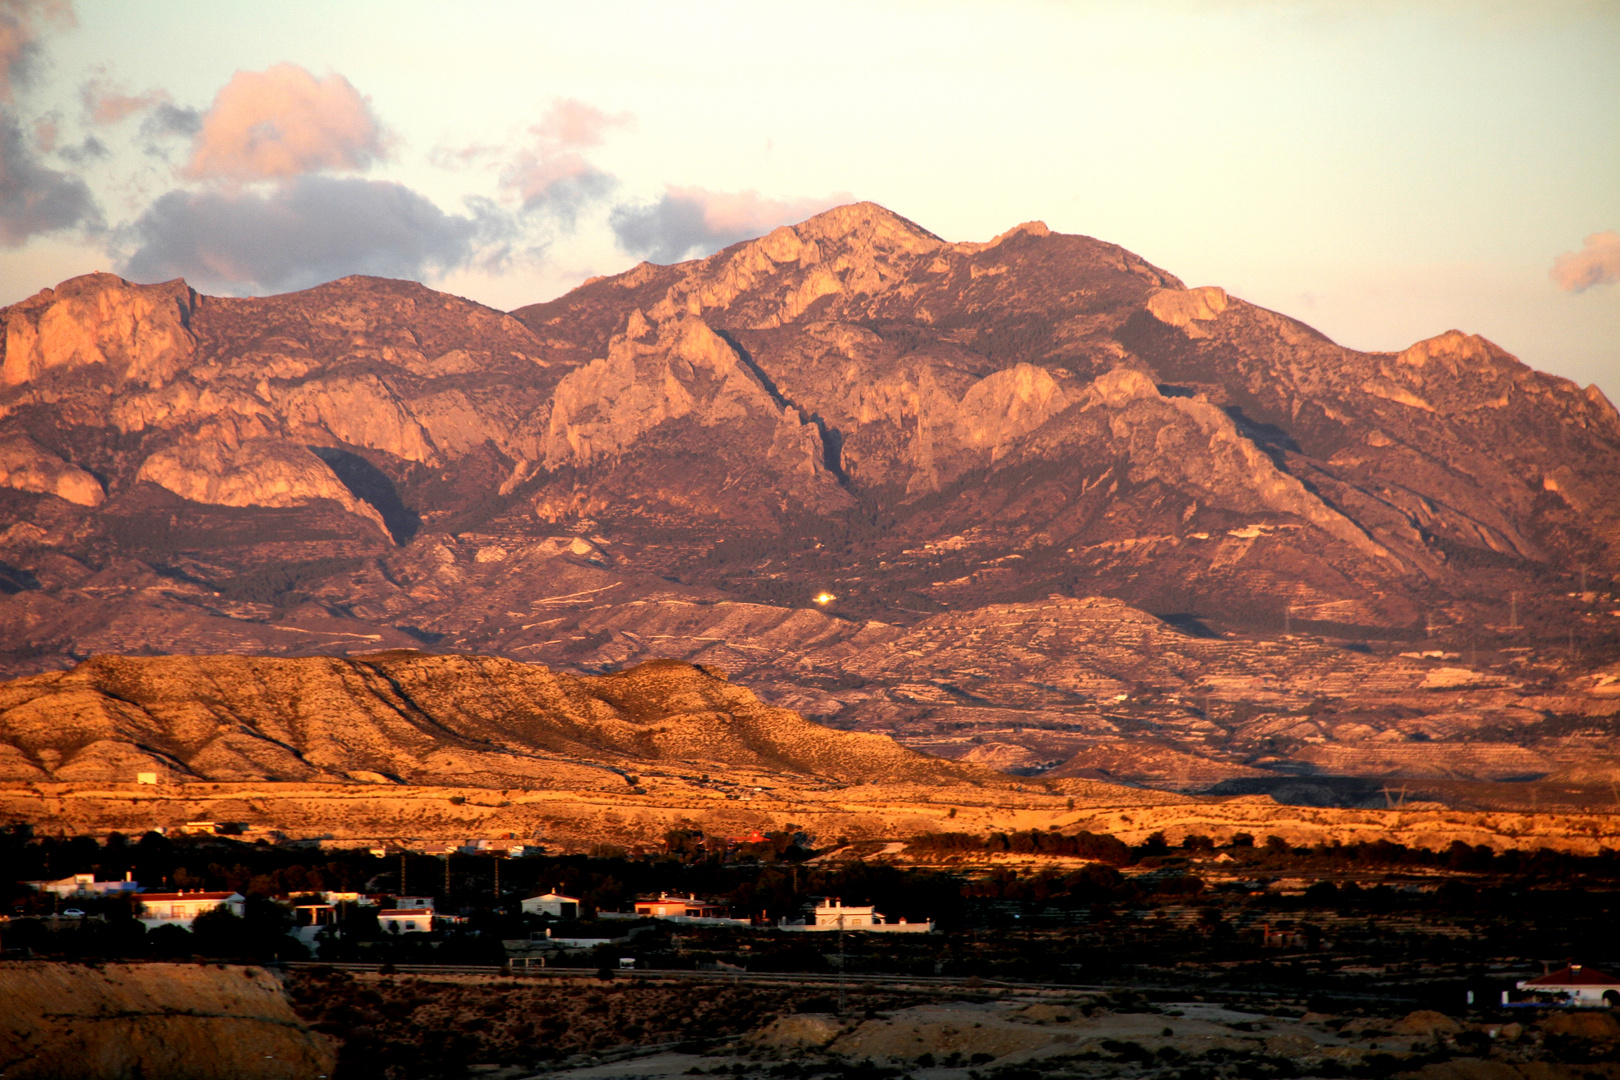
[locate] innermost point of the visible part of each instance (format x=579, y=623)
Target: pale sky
x=1382, y=171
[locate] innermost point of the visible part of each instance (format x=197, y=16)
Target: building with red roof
x=1576, y=985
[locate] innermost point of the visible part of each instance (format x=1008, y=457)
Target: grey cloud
x=664, y=231
x=565, y=196
x=88, y=150
x=169, y=119
x=22, y=22
x=550, y=176
x=35, y=198
x=693, y=221
x=309, y=230
x=559, y=184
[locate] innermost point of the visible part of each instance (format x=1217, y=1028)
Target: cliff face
x=100, y=327
x=676, y=460
x=178, y=1021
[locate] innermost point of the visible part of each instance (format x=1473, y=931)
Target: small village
x=745, y=954
x=1377, y=916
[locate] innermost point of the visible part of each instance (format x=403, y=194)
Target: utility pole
x=840, y=958
x=447, y=876
x=402, y=873
x=497, y=859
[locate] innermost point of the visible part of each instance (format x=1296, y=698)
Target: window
x=177, y=911
x=410, y=924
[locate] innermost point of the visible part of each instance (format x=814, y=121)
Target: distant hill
x=412, y=718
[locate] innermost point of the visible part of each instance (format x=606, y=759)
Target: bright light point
x=824, y=598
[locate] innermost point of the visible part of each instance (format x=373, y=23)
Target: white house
x=554, y=904
x=182, y=908
x=310, y=919
x=84, y=885
x=405, y=920
x=833, y=915
x=1582, y=987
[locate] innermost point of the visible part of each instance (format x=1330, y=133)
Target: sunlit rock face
x=678, y=460
x=102, y=328
x=27, y=466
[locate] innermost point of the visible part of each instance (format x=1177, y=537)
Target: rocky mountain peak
x=875, y=475
x=1454, y=352
x=867, y=225
x=132, y=333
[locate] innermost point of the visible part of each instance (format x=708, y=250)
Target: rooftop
x=1573, y=975
x=145, y=897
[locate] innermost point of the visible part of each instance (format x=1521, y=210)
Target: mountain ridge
x=674, y=461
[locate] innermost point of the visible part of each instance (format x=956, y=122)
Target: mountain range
x=1030, y=502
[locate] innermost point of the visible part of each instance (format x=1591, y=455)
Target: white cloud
x=1597, y=263
x=284, y=122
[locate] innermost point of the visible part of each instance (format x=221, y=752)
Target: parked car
x=72, y=913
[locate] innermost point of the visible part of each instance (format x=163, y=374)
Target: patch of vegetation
x=279, y=583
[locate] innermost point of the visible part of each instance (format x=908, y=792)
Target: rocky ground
x=629, y=1028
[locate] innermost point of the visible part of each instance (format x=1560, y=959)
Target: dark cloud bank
x=306, y=231
x=693, y=221
x=35, y=198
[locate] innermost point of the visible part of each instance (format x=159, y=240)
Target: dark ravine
x=1065, y=504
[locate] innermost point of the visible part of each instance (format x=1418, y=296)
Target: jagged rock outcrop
x=683, y=371
x=132, y=333
x=257, y=472
x=27, y=466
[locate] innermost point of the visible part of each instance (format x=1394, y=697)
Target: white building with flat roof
x=84, y=885
x=405, y=920
x=182, y=908
x=832, y=914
